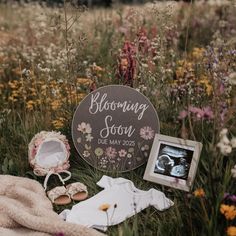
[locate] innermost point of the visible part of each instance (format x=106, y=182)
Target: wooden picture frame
x=173, y=162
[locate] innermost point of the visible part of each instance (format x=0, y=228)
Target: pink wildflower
x=182, y=114
x=208, y=113
x=143, y=42
x=197, y=111
x=93, y=87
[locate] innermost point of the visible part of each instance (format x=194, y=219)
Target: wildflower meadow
x=182, y=56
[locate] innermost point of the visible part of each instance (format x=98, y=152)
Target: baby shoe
x=62, y=195
x=48, y=154
x=59, y=196
x=77, y=191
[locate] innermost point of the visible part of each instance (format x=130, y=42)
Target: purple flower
x=205, y=112
x=230, y=197
x=197, y=111
x=208, y=113
x=222, y=88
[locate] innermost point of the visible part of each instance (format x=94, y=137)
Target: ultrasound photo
x=173, y=161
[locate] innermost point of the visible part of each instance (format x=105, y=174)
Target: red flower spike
x=127, y=64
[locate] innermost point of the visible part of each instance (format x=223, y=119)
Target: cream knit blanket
x=25, y=210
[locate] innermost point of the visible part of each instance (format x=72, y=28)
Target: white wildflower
x=223, y=132
x=225, y=140
x=225, y=145
x=233, y=142
x=233, y=171
x=144, y=65
x=224, y=148
x=232, y=78
x=26, y=72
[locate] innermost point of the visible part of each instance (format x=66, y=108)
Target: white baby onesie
x=122, y=199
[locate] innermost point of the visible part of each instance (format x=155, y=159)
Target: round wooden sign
x=113, y=128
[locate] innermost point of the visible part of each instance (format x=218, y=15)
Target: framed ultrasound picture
x=173, y=162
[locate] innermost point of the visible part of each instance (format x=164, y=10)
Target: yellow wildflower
x=84, y=81
x=12, y=99
x=59, y=123
x=223, y=208
x=55, y=104
x=13, y=84
x=184, y=68
x=15, y=93
x=97, y=68
x=181, y=62
x=30, y=105
x=205, y=81
x=81, y=95
x=180, y=71
x=199, y=192
x=1, y=88
x=104, y=207
x=198, y=53
x=33, y=90
x=231, y=231
x=38, y=101
x=1, y=72
x=44, y=87
x=17, y=71
x=189, y=66
x=229, y=211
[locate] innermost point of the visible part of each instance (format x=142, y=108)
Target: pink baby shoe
x=49, y=154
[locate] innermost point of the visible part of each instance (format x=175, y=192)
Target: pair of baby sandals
x=48, y=155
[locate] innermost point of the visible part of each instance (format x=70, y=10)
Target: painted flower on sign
x=103, y=162
x=145, y=148
x=84, y=128
x=122, y=153
x=86, y=153
x=89, y=137
x=129, y=155
x=131, y=150
x=111, y=152
x=147, y=133
x=98, y=151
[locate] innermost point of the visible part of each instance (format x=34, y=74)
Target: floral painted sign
x=113, y=128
